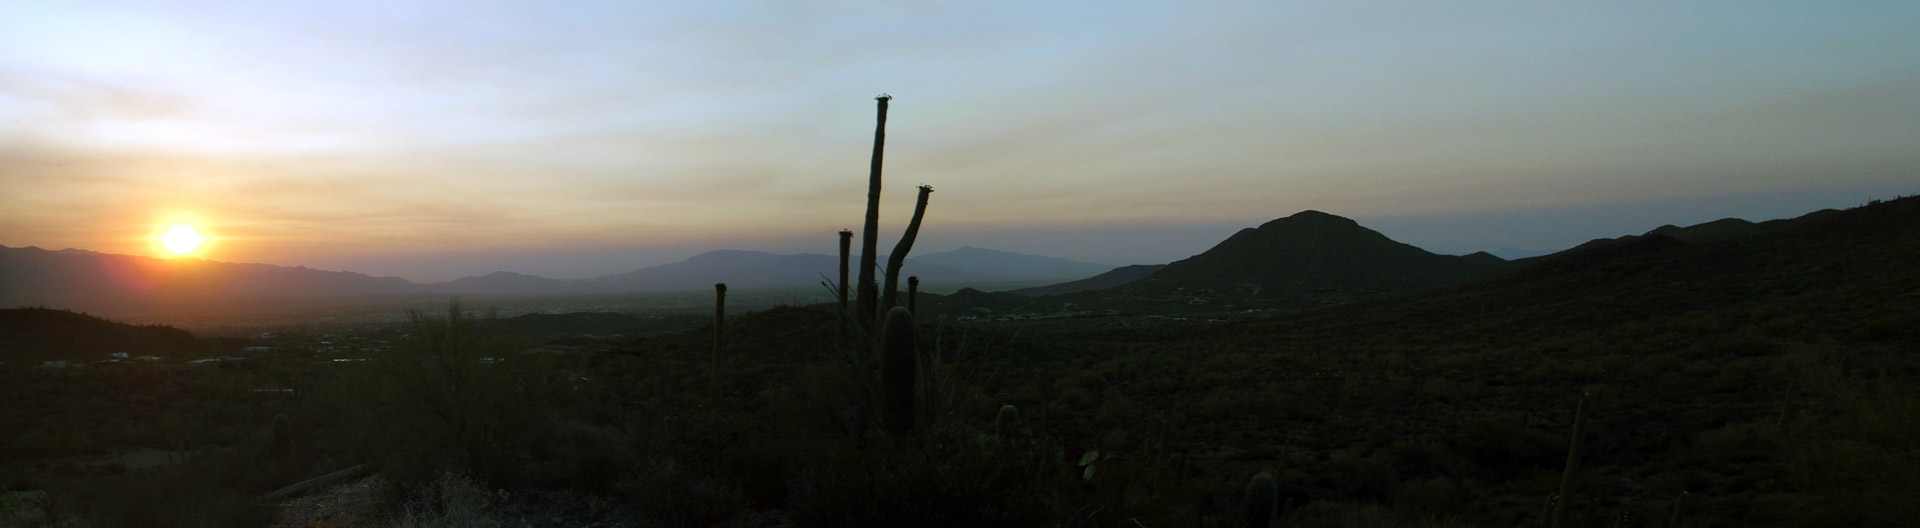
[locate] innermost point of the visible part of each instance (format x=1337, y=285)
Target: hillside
x=1115, y=278
x=42, y=334
x=1754, y=368
x=1315, y=253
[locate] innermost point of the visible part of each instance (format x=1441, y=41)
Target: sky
x=437, y=140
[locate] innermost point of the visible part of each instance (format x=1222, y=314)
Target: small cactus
x=913, y=293
x=1673, y=521
x=1263, y=500
x=1570, y=477
x=282, y=437
x=898, y=368
x=1008, y=420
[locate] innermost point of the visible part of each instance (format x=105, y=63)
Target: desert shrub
x=451, y=500
x=943, y=478
x=1506, y=446
x=1425, y=497
x=1864, y=457
x=215, y=488
x=1326, y=514
x=1363, y=476
x=668, y=492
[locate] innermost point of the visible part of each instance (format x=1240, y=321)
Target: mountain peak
x=1311, y=217
x=1313, y=251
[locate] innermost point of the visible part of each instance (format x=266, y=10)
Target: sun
x=181, y=239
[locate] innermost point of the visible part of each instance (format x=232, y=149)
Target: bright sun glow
x=181, y=239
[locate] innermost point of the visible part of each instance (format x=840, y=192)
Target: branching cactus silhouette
x=899, y=257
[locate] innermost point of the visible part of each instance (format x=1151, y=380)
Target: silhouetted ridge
x=1118, y=277
x=1314, y=252
x=49, y=334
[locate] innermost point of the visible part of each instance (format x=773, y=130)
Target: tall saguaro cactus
x=719, y=334
x=1571, y=476
x=870, y=232
x=899, y=257
x=846, y=247
x=899, y=366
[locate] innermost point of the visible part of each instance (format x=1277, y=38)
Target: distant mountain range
x=1309, y=255
x=80, y=279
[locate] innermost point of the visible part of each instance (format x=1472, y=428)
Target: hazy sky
x=577, y=139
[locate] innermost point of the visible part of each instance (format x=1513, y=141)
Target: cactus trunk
x=846, y=250
x=900, y=250
x=1570, y=477
x=869, y=233
x=913, y=295
x=898, y=369
x=719, y=334
x=1007, y=422
x=1673, y=520
x=1263, y=500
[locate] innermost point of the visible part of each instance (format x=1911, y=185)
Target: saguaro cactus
x=1673, y=520
x=1570, y=477
x=899, y=257
x=870, y=232
x=898, y=368
x=719, y=334
x=846, y=248
x=913, y=294
x=1008, y=420
x=1263, y=500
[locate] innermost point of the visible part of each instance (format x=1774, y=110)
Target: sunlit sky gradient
x=435, y=141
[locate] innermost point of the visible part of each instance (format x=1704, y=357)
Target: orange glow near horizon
x=182, y=240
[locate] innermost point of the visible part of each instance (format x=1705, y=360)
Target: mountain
x=1314, y=252
x=1717, y=230
x=42, y=334
x=1118, y=277
x=1825, y=275
x=1008, y=265
x=73, y=278
x=505, y=283
x=77, y=278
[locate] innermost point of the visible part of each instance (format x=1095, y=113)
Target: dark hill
x=1313, y=252
x=1850, y=272
x=42, y=334
x=1118, y=277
